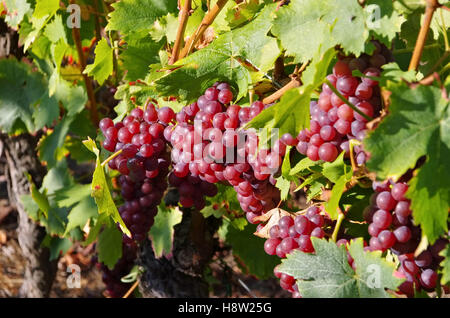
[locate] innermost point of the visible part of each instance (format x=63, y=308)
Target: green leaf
x=57, y=178
x=49, y=145
x=80, y=214
x=103, y=63
x=41, y=199
x=55, y=224
x=55, y=31
x=303, y=164
x=58, y=247
x=162, y=230
x=316, y=188
x=74, y=98
x=418, y=125
x=284, y=185
x=45, y=8
x=17, y=9
x=100, y=189
x=30, y=206
x=225, y=59
x=165, y=27
x=20, y=89
x=46, y=112
x=306, y=26
x=109, y=246
x=326, y=273
x=137, y=15
x=242, y=13
x=252, y=254
x=336, y=169
x=445, y=265
x=138, y=56
x=209, y=210
x=301, y=30
x=69, y=196
x=331, y=206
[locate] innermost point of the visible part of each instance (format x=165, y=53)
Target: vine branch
x=184, y=15
x=295, y=82
x=207, y=21
x=432, y=5
x=87, y=81
x=340, y=218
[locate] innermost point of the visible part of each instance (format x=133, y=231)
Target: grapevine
x=307, y=140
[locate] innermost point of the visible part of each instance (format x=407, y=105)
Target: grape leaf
x=100, y=189
x=69, y=196
x=56, y=222
x=49, y=145
x=73, y=97
x=339, y=173
x=303, y=164
x=315, y=188
x=103, y=63
x=418, y=125
x=137, y=15
x=306, y=26
x=57, y=178
x=30, y=206
x=301, y=31
x=55, y=31
x=80, y=213
x=445, y=265
x=46, y=112
x=20, y=89
x=16, y=11
x=251, y=254
x=225, y=59
x=336, y=169
x=109, y=246
x=41, y=199
x=326, y=273
x=162, y=230
x=57, y=246
x=45, y=8
x=242, y=13
x=139, y=55
x=167, y=27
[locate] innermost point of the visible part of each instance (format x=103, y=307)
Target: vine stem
x=184, y=15
x=432, y=5
x=352, y=144
x=295, y=82
x=132, y=288
x=208, y=19
x=87, y=81
x=277, y=95
x=111, y=157
x=345, y=100
x=340, y=218
x=98, y=33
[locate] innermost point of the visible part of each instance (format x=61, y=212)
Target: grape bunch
x=391, y=227
x=112, y=277
x=105, y=96
x=333, y=122
x=421, y=272
x=295, y=234
x=143, y=163
x=390, y=221
x=192, y=190
x=208, y=145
